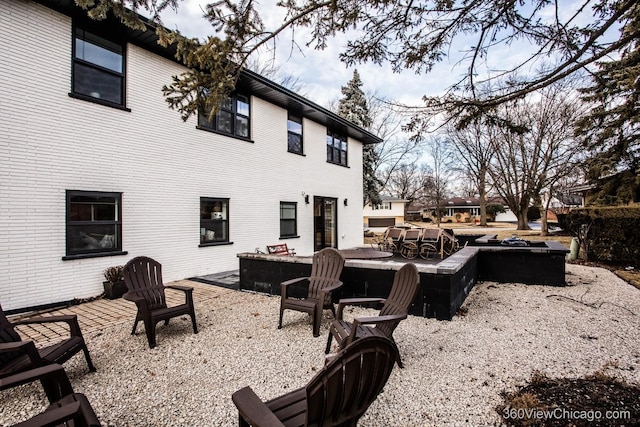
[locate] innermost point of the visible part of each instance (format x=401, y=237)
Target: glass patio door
x=325, y=215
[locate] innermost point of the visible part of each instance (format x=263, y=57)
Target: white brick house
x=96, y=169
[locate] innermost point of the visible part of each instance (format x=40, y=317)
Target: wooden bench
x=280, y=249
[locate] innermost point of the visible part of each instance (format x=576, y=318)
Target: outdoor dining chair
x=395, y=308
x=338, y=395
x=143, y=277
x=66, y=407
x=17, y=355
x=324, y=279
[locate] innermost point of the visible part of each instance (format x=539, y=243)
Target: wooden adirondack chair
x=66, y=407
x=395, y=308
x=17, y=355
x=338, y=395
x=143, y=277
x=325, y=278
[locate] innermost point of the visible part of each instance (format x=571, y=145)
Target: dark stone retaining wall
x=543, y=263
x=443, y=286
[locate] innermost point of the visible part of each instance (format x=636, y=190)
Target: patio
x=454, y=371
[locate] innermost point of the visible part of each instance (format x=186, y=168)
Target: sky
x=321, y=72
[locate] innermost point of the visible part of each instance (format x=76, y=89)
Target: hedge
x=609, y=234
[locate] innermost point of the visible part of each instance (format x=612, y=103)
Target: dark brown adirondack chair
x=143, y=277
x=17, y=355
x=325, y=278
x=395, y=308
x=66, y=407
x=338, y=395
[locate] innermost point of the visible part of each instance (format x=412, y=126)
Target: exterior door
x=325, y=215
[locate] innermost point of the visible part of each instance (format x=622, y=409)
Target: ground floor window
x=288, y=219
x=94, y=224
x=214, y=220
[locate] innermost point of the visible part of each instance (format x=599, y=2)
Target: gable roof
x=248, y=81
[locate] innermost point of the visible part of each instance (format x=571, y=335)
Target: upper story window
x=336, y=148
x=98, y=68
x=214, y=220
x=232, y=118
x=294, y=134
x=94, y=223
x=288, y=219
x=383, y=206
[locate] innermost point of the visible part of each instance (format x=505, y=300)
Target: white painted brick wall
x=50, y=142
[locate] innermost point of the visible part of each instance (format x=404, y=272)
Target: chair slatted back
x=431, y=234
x=403, y=292
x=349, y=383
x=143, y=275
x=325, y=270
x=412, y=234
x=7, y=334
x=394, y=233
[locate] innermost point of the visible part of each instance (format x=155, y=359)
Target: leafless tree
x=442, y=171
x=529, y=162
x=474, y=152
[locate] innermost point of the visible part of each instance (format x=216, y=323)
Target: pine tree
x=353, y=107
x=612, y=129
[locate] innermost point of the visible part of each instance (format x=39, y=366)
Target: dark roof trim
x=249, y=80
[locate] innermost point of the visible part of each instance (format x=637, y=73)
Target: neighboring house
x=465, y=210
x=387, y=214
x=95, y=169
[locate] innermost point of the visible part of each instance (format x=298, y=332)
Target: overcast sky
x=321, y=72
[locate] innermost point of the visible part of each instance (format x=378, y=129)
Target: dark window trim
x=96, y=255
x=227, y=228
x=341, y=137
x=207, y=129
x=117, y=223
x=98, y=101
x=301, y=117
x=295, y=220
x=123, y=75
x=204, y=245
x=234, y=112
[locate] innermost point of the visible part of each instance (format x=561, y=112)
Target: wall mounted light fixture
x=346, y=202
x=306, y=199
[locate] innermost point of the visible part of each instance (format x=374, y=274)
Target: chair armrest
x=69, y=319
x=294, y=281
x=53, y=377
x=299, y=281
x=27, y=347
x=66, y=318
x=377, y=319
x=53, y=416
x=322, y=293
x=253, y=410
x=336, y=285
x=7, y=347
x=180, y=288
x=356, y=301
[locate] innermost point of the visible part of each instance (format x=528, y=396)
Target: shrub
x=114, y=274
x=607, y=234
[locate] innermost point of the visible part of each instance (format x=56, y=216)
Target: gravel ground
x=454, y=370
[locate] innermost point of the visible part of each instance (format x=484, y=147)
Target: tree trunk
x=483, y=199
x=523, y=222
x=544, y=227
